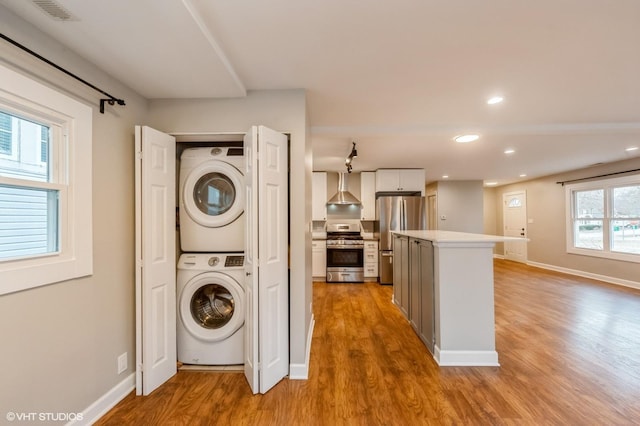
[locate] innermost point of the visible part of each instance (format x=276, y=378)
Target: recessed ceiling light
x=523, y=175
x=631, y=148
x=445, y=176
x=466, y=138
x=491, y=183
x=495, y=100
x=509, y=151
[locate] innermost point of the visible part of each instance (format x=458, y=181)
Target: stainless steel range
x=345, y=253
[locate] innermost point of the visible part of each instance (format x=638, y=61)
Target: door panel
x=155, y=254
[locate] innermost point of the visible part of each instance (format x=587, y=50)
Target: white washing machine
x=212, y=199
x=211, y=308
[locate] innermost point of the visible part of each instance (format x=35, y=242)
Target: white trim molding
x=605, y=278
x=301, y=371
x=106, y=402
x=466, y=358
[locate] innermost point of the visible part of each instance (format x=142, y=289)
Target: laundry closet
x=211, y=305
x=209, y=187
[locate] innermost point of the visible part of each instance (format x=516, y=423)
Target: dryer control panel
x=234, y=261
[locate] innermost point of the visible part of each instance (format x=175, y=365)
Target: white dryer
x=211, y=308
x=212, y=199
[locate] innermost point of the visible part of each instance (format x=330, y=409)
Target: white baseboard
x=106, y=402
x=612, y=280
x=301, y=371
x=466, y=358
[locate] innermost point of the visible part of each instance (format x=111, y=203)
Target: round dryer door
x=213, y=194
x=212, y=306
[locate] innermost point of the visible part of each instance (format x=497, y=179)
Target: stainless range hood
x=343, y=196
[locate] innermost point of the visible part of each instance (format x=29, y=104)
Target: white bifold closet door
x=266, y=261
x=155, y=173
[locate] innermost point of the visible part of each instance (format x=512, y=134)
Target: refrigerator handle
x=403, y=215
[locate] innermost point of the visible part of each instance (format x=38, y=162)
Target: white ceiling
x=400, y=78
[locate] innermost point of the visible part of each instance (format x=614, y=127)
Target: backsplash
x=338, y=212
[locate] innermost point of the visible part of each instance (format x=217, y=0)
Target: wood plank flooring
x=569, y=350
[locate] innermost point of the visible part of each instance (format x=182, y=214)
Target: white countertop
x=457, y=237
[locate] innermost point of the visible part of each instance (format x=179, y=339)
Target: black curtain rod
x=111, y=100
x=595, y=177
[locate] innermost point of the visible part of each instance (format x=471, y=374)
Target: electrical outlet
x=122, y=363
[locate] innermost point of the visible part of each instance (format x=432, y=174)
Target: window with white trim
x=604, y=218
x=45, y=185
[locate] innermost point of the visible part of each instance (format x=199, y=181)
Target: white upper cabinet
x=368, y=195
x=319, y=196
x=400, y=180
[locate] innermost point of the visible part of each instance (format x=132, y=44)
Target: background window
x=604, y=218
x=45, y=184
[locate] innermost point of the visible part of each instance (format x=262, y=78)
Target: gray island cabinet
x=443, y=284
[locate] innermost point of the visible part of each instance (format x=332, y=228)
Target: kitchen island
x=444, y=286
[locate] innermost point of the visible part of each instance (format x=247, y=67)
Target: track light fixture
x=352, y=155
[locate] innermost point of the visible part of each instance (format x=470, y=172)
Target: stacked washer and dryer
x=210, y=278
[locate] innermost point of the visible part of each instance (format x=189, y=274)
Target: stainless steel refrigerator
x=396, y=213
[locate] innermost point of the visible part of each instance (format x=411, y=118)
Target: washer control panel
x=232, y=261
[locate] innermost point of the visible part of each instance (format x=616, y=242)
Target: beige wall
x=461, y=203
x=546, y=230
x=59, y=343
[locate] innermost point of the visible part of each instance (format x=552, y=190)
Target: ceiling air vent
x=54, y=10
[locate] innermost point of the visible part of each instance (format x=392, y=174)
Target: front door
x=267, y=283
x=515, y=225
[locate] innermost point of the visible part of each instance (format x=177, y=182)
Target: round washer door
x=213, y=194
x=212, y=306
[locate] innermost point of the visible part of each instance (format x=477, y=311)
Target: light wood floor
x=569, y=351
